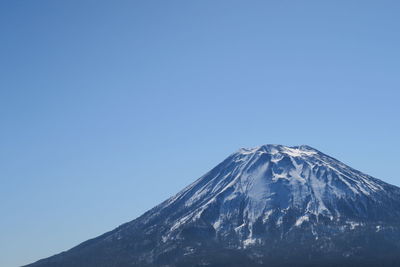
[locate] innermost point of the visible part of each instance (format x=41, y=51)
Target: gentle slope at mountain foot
x=268, y=206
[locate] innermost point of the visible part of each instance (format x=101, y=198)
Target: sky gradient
x=108, y=108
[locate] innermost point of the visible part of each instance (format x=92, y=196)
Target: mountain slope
x=268, y=206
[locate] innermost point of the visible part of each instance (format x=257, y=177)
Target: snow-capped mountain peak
x=259, y=200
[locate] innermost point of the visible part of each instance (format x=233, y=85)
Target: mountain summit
x=271, y=205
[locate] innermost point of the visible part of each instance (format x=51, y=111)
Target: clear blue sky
x=108, y=108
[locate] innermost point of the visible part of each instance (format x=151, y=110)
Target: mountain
x=271, y=205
